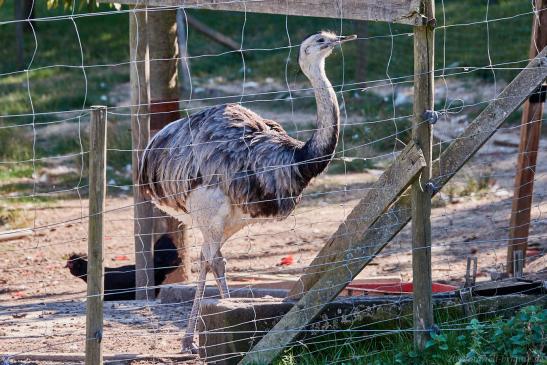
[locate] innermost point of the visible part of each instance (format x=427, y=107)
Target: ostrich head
x=316, y=48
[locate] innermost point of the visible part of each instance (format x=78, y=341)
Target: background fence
x=57, y=62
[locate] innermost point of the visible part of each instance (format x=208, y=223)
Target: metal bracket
x=435, y=329
x=539, y=95
x=466, y=297
x=432, y=22
x=430, y=116
x=422, y=20
x=431, y=187
x=518, y=263
x=99, y=336
x=470, y=274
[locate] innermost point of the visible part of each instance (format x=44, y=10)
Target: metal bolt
x=435, y=329
x=431, y=187
x=99, y=336
x=420, y=20
x=430, y=116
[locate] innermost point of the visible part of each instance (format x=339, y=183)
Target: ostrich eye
x=321, y=40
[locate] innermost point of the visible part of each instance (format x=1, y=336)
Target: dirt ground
x=42, y=306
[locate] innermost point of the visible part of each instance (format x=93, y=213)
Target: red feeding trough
x=358, y=287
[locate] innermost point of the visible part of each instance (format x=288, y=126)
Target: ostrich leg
x=211, y=259
x=188, y=340
x=214, y=238
x=219, y=271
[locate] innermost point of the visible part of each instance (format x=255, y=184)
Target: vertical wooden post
x=164, y=109
x=421, y=197
x=140, y=132
x=164, y=92
x=530, y=132
x=95, y=271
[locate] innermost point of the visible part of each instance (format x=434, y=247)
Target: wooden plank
x=444, y=168
x=384, y=192
x=393, y=11
x=509, y=286
x=424, y=41
x=140, y=133
x=95, y=270
x=80, y=357
x=19, y=233
x=530, y=132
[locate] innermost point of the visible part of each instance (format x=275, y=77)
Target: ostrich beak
x=343, y=39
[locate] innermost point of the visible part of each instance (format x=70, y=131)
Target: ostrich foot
x=188, y=345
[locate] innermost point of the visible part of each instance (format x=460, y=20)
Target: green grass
x=55, y=81
x=15, y=172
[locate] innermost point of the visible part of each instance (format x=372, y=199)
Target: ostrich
x=226, y=167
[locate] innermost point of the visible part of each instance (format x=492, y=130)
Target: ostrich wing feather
x=251, y=159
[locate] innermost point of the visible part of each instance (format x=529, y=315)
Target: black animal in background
x=119, y=282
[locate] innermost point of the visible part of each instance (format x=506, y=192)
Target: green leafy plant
x=519, y=339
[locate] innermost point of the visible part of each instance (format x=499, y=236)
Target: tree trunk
x=165, y=96
x=19, y=36
x=29, y=13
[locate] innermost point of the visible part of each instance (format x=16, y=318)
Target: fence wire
x=74, y=58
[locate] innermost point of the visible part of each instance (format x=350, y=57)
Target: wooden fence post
x=530, y=132
x=164, y=109
x=421, y=196
x=97, y=193
x=140, y=132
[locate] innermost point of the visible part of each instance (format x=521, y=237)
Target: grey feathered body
x=255, y=163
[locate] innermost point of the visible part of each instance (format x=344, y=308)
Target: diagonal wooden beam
x=394, y=181
x=378, y=235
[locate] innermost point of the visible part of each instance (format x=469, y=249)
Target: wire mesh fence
x=58, y=61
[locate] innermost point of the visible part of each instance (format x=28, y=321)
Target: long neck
x=319, y=149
